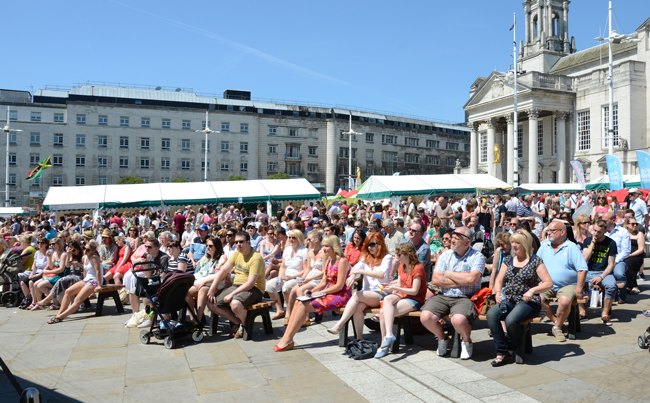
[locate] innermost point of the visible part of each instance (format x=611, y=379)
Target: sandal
x=499, y=362
x=53, y=320
x=605, y=319
x=646, y=313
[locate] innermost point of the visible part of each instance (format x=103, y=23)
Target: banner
x=580, y=173
x=615, y=172
x=38, y=170
x=643, y=159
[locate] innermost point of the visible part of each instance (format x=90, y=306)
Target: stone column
x=473, y=148
x=541, y=24
x=565, y=25
x=527, y=33
x=560, y=121
x=510, y=147
x=490, y=146
x=532, y=145
x=330, y=160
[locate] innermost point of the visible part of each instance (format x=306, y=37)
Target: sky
x=410, y=58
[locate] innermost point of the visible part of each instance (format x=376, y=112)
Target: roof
x=592, y=56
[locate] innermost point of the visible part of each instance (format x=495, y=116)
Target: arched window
x=535, y=27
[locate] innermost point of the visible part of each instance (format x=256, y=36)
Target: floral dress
x=519, y=280
x=335, y=300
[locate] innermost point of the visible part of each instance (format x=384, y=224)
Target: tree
x=279, y=175
x=179, y=180
x=128, y=180
x=236, y=178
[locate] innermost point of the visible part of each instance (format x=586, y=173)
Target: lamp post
x=207, y=131
x=350, y=133
x=7, y=129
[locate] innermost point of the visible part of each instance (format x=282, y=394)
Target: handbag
x=483, y=300
x=595, y=298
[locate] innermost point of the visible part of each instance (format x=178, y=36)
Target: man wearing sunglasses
x=458, y=273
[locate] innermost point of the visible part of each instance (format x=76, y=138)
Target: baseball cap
x=204, y=227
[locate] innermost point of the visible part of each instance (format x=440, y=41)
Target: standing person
x=634, y=261
x=443, y=211
x=639, y=207
x=248, y=284
x=407, y=294
x=499, y=214
x=179, y=223
x=336, y=293
x=485, y=216
x=521, y=279
x=458, y=273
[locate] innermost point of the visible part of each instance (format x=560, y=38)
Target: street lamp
x=7, y=129
x=350, y=133
x=613, y=37
x=206, y=131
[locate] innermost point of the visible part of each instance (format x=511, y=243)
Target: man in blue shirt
x=568, y=270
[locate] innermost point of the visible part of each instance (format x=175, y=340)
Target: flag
x=615, y=172
x=512, y=27
x=643, y=159
x=580, y=173
x=38, y=170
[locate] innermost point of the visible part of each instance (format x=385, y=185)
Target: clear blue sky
x=414, y=58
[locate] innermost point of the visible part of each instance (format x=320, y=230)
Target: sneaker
x=388, y=342
x=382, y=352
x=559, y=334
x=466, y=350
x=442, y=347
x=145, y=323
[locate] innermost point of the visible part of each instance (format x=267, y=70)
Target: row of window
x=391, y=139
x=165, y=123
x=145, y=143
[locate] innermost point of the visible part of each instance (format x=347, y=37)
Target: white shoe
x=442, y=347
x=146, y=323
x=466, y=349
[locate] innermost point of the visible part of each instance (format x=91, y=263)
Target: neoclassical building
x=562, y=104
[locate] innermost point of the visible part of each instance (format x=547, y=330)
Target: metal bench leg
x=248, y=326
x=455, y=346
x=266, y=319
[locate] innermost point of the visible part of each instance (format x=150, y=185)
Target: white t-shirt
x=293, y=262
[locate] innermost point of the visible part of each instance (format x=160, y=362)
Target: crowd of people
x=310, y=258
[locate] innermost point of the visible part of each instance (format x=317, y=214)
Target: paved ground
x=96, y=359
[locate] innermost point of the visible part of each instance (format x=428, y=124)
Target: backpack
x=361, y=349
x=488, y=248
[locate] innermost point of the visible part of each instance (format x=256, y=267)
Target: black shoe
x=499, y=363
x=371, y=324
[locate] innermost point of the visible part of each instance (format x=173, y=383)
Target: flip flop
x=646, y=313
x=53, y=320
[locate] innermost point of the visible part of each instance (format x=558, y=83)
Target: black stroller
x=10, y=293
x=166, y=290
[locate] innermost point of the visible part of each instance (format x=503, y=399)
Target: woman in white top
x=40, y=264
x=375, y=267
x=291, y=268
x=312, y=268
x=77, y=293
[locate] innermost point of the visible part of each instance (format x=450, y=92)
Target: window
x=80, y=180
x=102, y=120
x=467, y=148
x=370, y=137
x=145, y=122
x=433, y=144
x=411, y=141
x=144, y=163
x=225, y=166
x=13, y=116
x=124, y=142
x=273, y=130
x=186, y=125
x=225, y=127
x=166, y=124
x=273, y=148
x=293, y=132
x=164, y=163
x=124, y=121
x=203, y=145
x=80, y=140
x=102, y=180
x=225, y=146
x=34, y=139
x=311, y=151
x=389, y=156
x=243, y=127
x=58, y=140
x=124, y=162
x=584, y=130
x=165, y=144
x=35, y=117
x=12, y=138
x=451, y=161
x=36, y=183
x=144, y=143
x=344, y=152
x=605, y=142
x=57, y=180
x=272, y=166
x=12, y=159
x=555, y=135
x=483, y=147
x=243, y=147
x=370, y=155
x=58, y=118
x=186, y=164
x=12, y=179
x=432, y=160
x=410, y=158
x=540, y=137
x=34, y=159
x=452, y=146
x=203, y=165
x=186, y=144
x=243, y=167
x=102, y=141
x=165, y=179
x=312, y=168
x=102, y=162
x=80, y=161
x=388, y=139
x=57, y=160
x=81, y=119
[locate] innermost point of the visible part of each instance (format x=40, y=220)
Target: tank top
x=91, y=274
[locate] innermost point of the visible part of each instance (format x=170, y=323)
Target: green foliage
x=279, y=175
x=128, y=180
x=179, y=180
x=236, y=178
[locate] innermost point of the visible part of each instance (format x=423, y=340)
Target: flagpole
x=516, y=125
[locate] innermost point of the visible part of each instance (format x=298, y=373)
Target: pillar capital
x=473, y=125
x=491, y=123
x=533, y=113
x=561, y=115
x=510, y=118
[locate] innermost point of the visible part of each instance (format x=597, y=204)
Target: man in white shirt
x=623, y=245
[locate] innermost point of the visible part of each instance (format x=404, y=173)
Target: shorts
x=53, y=279
x=566, y=291
x=24, y=277
x=381, y=294
x=415, y=304
x=442, y=306
x=247, y=298
x=275, y=285
x=91, y=282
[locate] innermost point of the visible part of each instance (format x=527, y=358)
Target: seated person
x=458, y=273
x=291, y=269
x=600, y=254
x=204, y=274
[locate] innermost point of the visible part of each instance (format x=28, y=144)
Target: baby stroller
x=166, y=291
x=644, y=339
x=11, y=295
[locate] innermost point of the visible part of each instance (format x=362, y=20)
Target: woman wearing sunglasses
x=634, y=261
x=601, y=207
x=291, y=268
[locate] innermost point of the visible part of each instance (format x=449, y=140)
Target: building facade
x=562, y=104
x=100, y=134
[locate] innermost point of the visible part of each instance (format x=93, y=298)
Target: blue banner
x=643, y=159
x=615, y=172
x=580, y=173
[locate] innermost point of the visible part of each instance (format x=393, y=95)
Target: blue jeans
x=619, y=275
x=608, y=283
x=513, y=314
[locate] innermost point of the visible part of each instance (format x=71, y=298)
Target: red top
x=406, y=281
x=352, y=253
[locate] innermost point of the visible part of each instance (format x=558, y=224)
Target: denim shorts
x=415, y=304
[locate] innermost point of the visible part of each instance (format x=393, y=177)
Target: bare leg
x=201, y=302
x=432, y=323
x=563, y=309
x=462, y=326
x=291, y=299
x=224, y=312
x=85, y=292
x=68, y=297
x=118, y=278
x=300, y=313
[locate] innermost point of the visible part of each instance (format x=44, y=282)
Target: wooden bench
x=108, y=291
x=260, y=309
x=574, y=317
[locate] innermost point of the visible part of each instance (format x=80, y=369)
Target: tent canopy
x=381, y=187
x=549, y=187
x=171, y=194
x=602, y=183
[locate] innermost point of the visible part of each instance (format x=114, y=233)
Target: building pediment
x=496, y=86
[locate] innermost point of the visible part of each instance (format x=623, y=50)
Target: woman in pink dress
x=337, y=293
x=123, y=265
